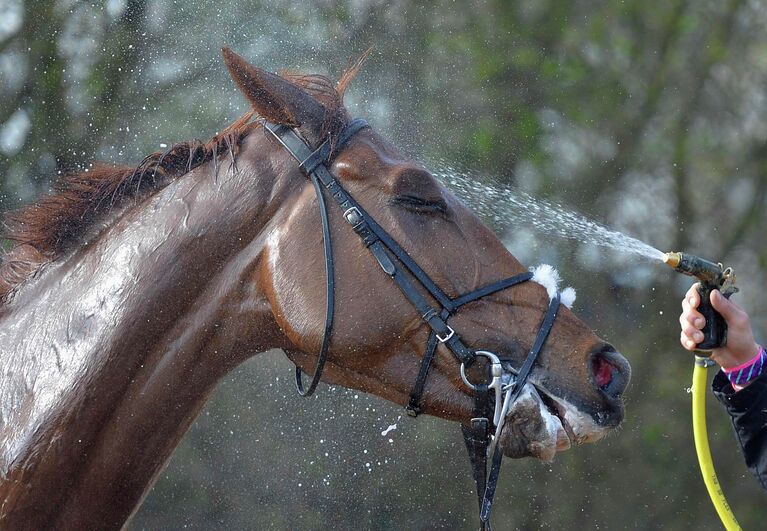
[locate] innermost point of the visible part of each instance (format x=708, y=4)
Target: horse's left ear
x=276, y=99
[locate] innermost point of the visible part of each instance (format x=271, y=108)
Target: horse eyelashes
x=421, y=205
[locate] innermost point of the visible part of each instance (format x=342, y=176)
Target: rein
x=482, y=435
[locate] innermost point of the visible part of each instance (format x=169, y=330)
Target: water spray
x=553, y=218
x=712, y=276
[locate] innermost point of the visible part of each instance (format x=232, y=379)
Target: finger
x=693, y=297
x=728, y=309
x=692, y=316
x=686, y=342
x=693, y=333
x=696, y=319
x=693, y=289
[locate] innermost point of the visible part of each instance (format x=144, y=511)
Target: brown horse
x=133, y=291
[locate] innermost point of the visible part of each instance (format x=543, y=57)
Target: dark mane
x=44, y=230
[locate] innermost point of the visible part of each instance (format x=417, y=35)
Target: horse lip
x=555, y=408
x=558, y=410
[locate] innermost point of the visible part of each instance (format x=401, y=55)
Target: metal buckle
x=354, y=217
x=450, y=334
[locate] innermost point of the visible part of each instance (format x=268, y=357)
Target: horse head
x=378, y=339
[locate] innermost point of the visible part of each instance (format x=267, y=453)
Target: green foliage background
x=648, y=116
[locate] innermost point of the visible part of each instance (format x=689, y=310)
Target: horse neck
x=116, y=348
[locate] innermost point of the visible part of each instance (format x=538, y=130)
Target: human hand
x=740, y=347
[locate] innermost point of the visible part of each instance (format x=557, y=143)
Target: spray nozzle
x=712, y=276
x=707, y=272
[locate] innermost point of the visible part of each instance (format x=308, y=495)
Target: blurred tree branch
x=58, y=137
x=6, y=43
x=689, y=105
x=108, y=81
x=629, y=137
x=753, y=216
x=13, y=105
x=42, y=92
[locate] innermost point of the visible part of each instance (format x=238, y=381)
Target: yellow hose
x=699, y=384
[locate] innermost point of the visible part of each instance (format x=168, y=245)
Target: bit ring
x=496, y=369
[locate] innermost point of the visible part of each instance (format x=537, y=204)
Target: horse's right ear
x=276, y=99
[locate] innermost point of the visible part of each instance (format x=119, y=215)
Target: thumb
x=722, y=305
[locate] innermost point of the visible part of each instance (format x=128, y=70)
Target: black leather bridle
x=482, y=435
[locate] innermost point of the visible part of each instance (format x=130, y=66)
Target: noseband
x=483, y=434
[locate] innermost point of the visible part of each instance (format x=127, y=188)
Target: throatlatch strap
x=309, y=163
x=330, y=295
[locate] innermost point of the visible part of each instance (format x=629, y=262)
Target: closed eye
x=418, y=204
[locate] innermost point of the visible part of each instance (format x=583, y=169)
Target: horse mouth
x=558, y=411
x=540, y=424
x=536, y=426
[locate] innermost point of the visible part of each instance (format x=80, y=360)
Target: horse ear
x=276, y=99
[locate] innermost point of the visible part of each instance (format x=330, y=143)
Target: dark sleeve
x=748, y=412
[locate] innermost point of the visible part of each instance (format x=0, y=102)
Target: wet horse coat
x=134, y=291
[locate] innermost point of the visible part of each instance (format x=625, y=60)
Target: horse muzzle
x=539, y=423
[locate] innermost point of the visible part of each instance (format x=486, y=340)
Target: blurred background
x=650, y=117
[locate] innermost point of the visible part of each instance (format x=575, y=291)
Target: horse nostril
x=611, y=372
x=602, y=370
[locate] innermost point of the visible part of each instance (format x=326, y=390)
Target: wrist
x=743, y=374
x=729, y=360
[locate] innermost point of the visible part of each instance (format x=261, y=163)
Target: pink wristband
x=744, y=373
x=745, y=364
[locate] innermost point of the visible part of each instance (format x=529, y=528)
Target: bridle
x=482, y=435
